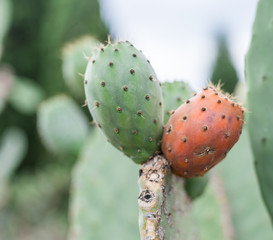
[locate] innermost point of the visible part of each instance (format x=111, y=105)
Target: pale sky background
x=178, y=36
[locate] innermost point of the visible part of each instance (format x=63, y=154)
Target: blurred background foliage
x=43, y=45
x=34, y=181
x=223, y=68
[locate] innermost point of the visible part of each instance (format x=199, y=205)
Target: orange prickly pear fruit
x=201, y=132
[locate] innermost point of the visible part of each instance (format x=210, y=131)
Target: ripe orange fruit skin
x=201, y=132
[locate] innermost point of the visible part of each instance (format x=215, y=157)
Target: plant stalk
x=164, y=208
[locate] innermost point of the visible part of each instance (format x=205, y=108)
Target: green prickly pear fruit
x=124, y=97
x=75, y=62
x=259, y=76
x=174, y=93
x=62, y=125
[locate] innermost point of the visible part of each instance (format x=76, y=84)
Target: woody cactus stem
x=164, y=208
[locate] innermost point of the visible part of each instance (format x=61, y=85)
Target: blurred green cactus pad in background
x=13, y=148
x=250, y=219
x=231, y=206
x=6, y=85
x=75, y=56
x=5, y=14
x=26, y=95
x=62, y=125
x=104, y=193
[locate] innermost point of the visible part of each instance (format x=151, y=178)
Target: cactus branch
x=164, y=208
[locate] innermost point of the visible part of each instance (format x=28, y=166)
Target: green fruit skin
x=125, y=99
x=259, y=75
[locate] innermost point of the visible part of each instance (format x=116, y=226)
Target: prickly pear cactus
x=259, y=75
x=74, y=63
x=62, y=125
x=174, y=94
x=124, y=97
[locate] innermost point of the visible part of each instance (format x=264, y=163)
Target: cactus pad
x=103, y=200
x=259, y=76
